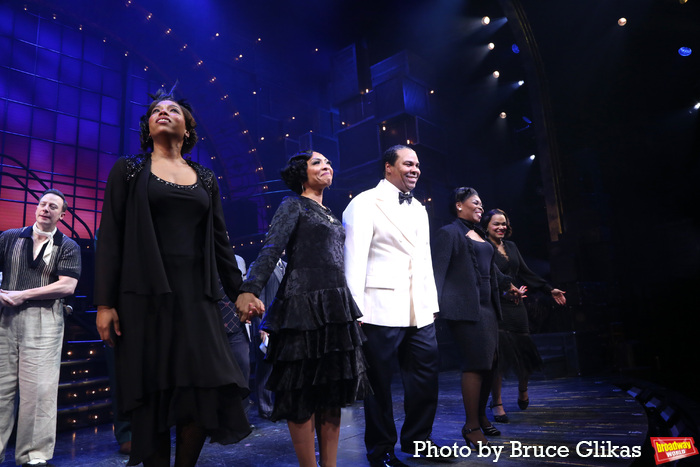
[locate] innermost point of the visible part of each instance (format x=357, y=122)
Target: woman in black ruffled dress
x=315, y=340
x=517, y=351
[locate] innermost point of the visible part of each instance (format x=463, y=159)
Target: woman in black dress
x=517, y=351
x=161, y=250
x=315, y=341
x=468, y=288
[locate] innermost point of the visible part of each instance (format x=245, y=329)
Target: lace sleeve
x=283, y=225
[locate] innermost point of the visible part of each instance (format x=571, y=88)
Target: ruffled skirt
x=518, y=354
x=316, y=353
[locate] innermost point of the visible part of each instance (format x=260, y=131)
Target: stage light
x=622, y=21
x=521, y=82
x=491, y=46
x=485, y=20
x=503, y=115
x=532, y=157
x=685, y=51
x=496, y=74
x=515, y=49
x=697, y=106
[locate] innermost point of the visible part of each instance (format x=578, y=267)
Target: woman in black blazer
x=468, y=283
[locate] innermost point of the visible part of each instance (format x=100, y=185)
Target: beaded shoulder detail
x=134, y=165
x=205, y=175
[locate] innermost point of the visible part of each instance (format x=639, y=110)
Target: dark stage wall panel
x=70, y=103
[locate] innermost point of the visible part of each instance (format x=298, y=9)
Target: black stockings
x=476, y=386
x=189, y=441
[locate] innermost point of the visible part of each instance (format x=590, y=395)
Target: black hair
x=459, y=195
x=190, y=123
x=391, y=154
x=54, y=191
x=493, y=212
x=294, y=174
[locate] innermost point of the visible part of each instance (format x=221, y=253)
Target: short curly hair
x=493, y=212
x=294, y=174
x=459, y=195
x=190, y=123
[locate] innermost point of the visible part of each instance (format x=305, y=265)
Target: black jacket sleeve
x=110, y=238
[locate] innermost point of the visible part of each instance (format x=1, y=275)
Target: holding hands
x=248, y=304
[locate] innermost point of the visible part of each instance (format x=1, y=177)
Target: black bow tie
x=408, y=197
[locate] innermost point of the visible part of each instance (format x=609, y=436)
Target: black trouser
x=417, y=354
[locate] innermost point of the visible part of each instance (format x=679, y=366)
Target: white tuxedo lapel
x=398, y=215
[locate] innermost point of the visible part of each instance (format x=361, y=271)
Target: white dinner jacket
x=387, y=258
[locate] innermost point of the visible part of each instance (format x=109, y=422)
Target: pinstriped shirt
x=21, y=271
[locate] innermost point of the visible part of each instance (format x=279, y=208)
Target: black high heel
x=499, y=418
x=523, y=404
x=466, y=431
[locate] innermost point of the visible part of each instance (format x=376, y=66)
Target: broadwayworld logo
x=672, y=449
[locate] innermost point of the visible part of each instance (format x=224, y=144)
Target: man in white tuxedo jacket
x=389, y=272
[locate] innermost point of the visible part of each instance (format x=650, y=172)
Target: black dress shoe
x=499, y=418
x=523, y=404
x=388, y=459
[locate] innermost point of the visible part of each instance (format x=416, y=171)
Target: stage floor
x=592, y=414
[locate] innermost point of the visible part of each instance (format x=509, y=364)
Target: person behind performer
x=265, y=397
x=390, y=275
x=40, y=266
x=315, y=345
x=517, y=351
x=468, y=285
x=162, y=249
x=237, y=333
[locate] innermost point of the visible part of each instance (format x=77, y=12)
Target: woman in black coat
x=161, y=251
x=517, y=351
x=468, y=283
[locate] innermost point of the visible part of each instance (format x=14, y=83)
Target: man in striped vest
x=39, y=267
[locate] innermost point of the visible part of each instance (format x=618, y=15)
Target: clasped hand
x=11, y=298
x=515, y=294
x=248, y=305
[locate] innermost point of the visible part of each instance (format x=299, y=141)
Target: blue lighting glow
x=685, y=51
x=515, y=49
